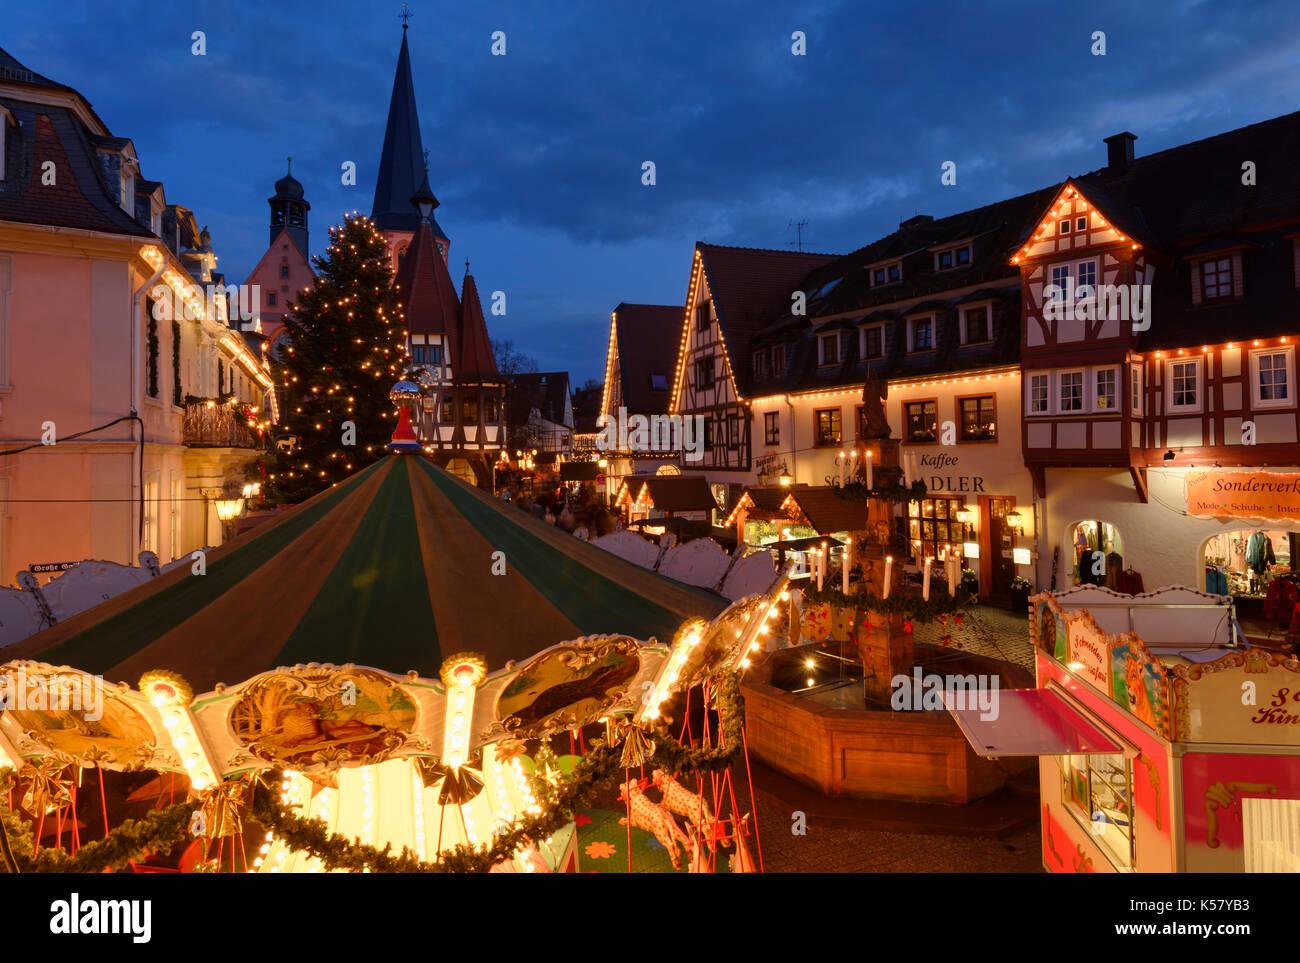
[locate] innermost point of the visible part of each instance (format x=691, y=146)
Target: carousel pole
x=753, y=805
x=11, y=864
x=627, y=798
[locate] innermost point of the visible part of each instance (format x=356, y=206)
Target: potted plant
x=970, y=581
x=1020, y=589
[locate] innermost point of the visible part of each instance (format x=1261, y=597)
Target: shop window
x=1098, y=555
x=1098, y=792
x=1250, y=563
x=932, y=525
x=978, y=418
x=828, y=426
x=922, y=420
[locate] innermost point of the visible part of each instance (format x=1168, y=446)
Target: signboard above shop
x=1244, y=494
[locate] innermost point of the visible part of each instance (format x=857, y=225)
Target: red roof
x=425, y=290
x=475, y=362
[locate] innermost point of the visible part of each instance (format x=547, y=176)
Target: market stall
x=1166, y=743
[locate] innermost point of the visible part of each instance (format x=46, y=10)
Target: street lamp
x=229, y=507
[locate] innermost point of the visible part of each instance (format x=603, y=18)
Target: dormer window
x=6, y=119
x=975, y=328
x=1216, y=278
x=830, y=349
x=873, y=342
x=953, y=257
x=887, y=274
x=778, y=361
x=920, y=333
x=760, y=365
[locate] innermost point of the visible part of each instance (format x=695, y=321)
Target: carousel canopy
x=393, y=568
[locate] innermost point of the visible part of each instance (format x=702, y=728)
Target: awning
x=1028, y=722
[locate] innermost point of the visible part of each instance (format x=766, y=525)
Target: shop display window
x=932, y=524
x=1098, y=792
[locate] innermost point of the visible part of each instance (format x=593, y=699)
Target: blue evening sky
x=536, y=156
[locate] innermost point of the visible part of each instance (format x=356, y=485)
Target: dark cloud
x=540, y=151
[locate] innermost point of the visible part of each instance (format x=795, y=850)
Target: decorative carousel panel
x=723, y=643
x=573, y=684
x=325, y=717
x=75, y=717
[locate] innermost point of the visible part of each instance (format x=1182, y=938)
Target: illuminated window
x=932, y=524
x=921, y=420
x=771, y=428
x=828, y=426
x=1098, y=792
x=978, y=418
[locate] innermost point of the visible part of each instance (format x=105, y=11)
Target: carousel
x=401, y=674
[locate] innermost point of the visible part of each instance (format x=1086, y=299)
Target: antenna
x=798, y=226
x=405, y=15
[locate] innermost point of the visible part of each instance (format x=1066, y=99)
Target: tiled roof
x=647, y=344
x=425, y=291
x=79, y=198
x=401, y=163
x=749, y=285
x=475, y=362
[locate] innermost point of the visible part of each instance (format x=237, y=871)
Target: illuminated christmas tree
x=346, y=349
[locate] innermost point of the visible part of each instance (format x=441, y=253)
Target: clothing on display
x=1259, y=552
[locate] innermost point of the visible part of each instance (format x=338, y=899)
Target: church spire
x=401, y=164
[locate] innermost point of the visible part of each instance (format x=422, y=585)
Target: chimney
x=1119, y=152
x=916, y=221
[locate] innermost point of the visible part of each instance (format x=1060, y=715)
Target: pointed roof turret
x=402, y=159
x=423, y=287
x=475, y=361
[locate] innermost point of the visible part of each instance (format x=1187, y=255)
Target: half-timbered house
x=1160, y=313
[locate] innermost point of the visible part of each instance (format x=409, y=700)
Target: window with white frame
x=887, y=274
x=1185, y=385
x=920, y=333
x=830, y=344
x=149, y=533
x=1040, y=387
x=1070, y=396
x=1272, y=372
x=1135, y=388
x=953, y=257
x=873, y=342
x=1216, y=278
x=975, y=327
x=1061, y=282
x=1106, y=386
x=1085, y=280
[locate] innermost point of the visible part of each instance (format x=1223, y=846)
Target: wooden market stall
x=1165, y=743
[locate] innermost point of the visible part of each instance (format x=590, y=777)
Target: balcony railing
x=216, y=426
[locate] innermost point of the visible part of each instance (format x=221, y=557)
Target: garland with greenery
x=601, y=768
x=913, y=607
x=153, y=350
x=130, y=842
x=859, y=492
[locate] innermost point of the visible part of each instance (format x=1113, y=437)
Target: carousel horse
x=653, y=819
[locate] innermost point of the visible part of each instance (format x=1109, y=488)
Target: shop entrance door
x=1001, y=547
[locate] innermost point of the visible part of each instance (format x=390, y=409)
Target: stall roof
x=671, y=493
x=1028, y=722
x=826, y=511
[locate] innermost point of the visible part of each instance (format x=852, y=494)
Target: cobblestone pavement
x=987, y=631
x=835, y=848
